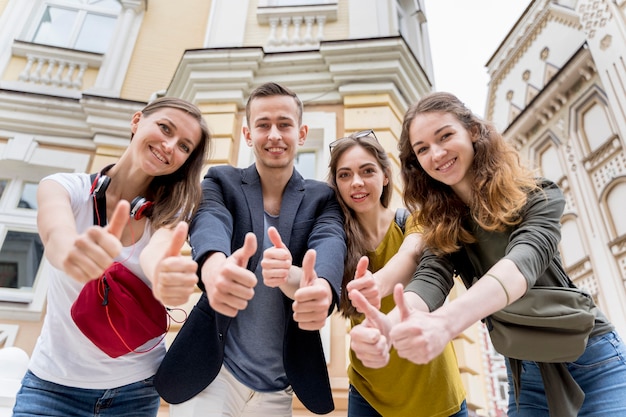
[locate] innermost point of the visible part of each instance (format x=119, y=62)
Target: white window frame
x=21, y=159
x=83, y=10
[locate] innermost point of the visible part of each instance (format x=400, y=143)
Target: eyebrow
x=367, y=164
x=435, y=133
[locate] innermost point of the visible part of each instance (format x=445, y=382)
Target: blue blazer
x=232, y=205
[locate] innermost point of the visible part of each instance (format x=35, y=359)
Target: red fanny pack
x=118, y=312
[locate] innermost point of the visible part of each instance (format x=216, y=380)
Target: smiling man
x=271, y=249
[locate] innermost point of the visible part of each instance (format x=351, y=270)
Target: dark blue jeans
x=37, y=397
x=358, y=407
x=600, y=372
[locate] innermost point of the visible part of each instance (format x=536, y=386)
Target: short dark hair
x=273, y=89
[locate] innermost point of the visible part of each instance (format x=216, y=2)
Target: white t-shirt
x=64, y=355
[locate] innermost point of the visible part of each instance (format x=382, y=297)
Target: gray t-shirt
x=254, y=343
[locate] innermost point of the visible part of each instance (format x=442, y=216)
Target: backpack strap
x=402, y=215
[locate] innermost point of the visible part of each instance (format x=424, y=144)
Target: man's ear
x=246, y=134
x=304, y=130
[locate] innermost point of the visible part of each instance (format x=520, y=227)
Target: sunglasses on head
x=354, y=136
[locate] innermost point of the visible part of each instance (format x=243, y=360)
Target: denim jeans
x=600, y=372
x=37, y=397
x=358, y=407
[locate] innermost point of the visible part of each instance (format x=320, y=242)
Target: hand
x=365, y=284
x=313, y=298
x=276, y=261
x=175, y=275
x=370, y=340
x=94, y=251
x=230, y=285
x=419, y=337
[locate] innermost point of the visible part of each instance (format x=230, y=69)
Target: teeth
x=159, y=157
x=275, y=149
x=359, y=196
x=447, y=165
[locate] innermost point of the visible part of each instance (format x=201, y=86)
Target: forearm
x=401, y=267
x=485, y=297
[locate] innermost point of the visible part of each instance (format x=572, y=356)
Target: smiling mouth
x=275, y=150
x=158, y=156
x=359, y=196
x=446, y=165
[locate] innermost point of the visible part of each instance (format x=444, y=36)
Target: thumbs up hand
x=313, y=299
x=93, y=251
x=419, y=336
x=174, y=278
x=365, y=284
x=276, y=262
x=229, y=284
x=370, y=339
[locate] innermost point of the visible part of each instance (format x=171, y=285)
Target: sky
x=464, y=34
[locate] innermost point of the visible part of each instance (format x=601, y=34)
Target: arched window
x=572, y=250
x=85, y=25
x=596, y=126
x=615, y=205
x=550, y=164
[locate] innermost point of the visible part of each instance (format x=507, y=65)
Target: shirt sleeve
x=534, y=242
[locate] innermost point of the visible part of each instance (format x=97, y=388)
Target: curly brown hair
x=499, y=188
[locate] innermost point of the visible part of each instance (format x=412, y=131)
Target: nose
x=274, y=133
x=438, y=152
x=357, y=181
x=168, y=144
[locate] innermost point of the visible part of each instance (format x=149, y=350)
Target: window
x=551, y=165
x=86, y=25
x=572, y=250
x=615, y=205
x=306, y=164
x=596, y=126
x=20, y=256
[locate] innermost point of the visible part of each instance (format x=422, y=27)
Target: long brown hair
x=499, y=188
x=355, y=239
x=176, y=196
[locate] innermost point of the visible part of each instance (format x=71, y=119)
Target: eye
x=165, y=128
x=184, y=147
x=342, y=175
x=369, y=171
x=420, y=150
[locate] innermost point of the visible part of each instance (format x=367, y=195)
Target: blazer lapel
x=292, y=198
x=251, y=189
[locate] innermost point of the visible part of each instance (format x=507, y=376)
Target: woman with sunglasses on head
x=486, y=218
x=85, y=226
x=360, y=173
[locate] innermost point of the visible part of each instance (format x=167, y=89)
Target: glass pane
x=55, y=27
x=3, y=185
x=20, y=257
x=28, y=199
x=96, y=33
x=305, y=164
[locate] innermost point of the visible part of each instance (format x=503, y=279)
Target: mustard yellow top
x=403, y=388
